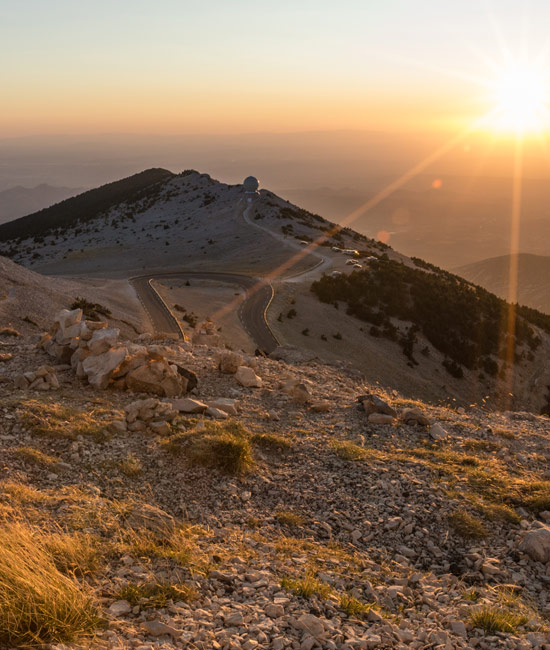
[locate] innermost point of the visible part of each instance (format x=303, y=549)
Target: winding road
x=252, y=312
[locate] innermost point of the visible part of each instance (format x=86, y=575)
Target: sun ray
x=517, y=183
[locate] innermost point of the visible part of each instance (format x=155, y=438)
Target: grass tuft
x=289, y=518
x=131, y=466
x=155, y=594
x=352, y=606
x=306, y=587
x=348, y=450
x=74, y=554
x=53, y=420
x=38, y=604
x=33, y=456
x=271, y=442
x=491, y=619
x=224, y=446
x=467, y=525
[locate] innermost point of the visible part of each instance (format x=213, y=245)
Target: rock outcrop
x=96, y=354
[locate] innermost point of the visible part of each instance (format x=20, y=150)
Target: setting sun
x=520, y=93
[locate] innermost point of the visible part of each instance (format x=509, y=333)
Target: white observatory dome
x=251, y=184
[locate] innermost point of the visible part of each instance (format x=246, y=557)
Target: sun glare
x=521, y=98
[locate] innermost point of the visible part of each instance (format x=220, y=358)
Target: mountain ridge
x=189, y=221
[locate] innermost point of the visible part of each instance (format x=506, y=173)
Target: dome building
x=251, y=185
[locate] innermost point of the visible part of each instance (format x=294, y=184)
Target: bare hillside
x=494, y=275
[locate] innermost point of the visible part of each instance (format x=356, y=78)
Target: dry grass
x=33, y=456
x=289, y=518
x=75, y=553
x=271, y=442
x=224, y=446
x=306, y=587
x=179, y=547
x=155, y=594
x=491, y=619
x=507, y=434
x=348, y=450
x=38, y=604
x=353, y=607
x=467, y=525
x=131, y=466
x=54, y=420
x=472, y=444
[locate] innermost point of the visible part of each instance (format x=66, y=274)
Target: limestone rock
x=298, y=390
x=120, y=608
x=374, y=404
x=189, y=376
x=157, y=378
x=187, y=405
x=536, y=543
x=217, y=414
x=312, y=624
x=380, y=418
x=415, y=416
x=225, y=404
x=437, y=432
x=99, y=369
x=157, y=628
x=245, y=376
x=102, y=340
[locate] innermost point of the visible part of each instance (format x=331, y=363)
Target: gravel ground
x=340, y=536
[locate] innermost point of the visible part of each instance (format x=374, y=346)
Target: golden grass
x=38, y=604
x=472, y=444
x=55, y=420
x=75, y=553
x=348, y=450
x=289, y=518
x=271, y=442
x=155, y=594
x=491, y=619
x=33, y=456
x=467, y=525
x=223, y=446
x=352, y=606
x=178, y=547
x=131, y=466
x=306, y=587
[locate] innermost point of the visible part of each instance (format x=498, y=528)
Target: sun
x=520, y=93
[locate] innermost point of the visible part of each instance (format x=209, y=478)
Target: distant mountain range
x=533, y=278
x=18, y=201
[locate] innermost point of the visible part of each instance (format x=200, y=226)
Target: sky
x=233, y=66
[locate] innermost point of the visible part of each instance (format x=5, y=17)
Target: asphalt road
x=252, y=312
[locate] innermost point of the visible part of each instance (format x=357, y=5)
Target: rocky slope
x=289, y=515
x=157, y=220
x=29, y=301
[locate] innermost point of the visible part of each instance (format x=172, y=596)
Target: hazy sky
x=179, y=66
